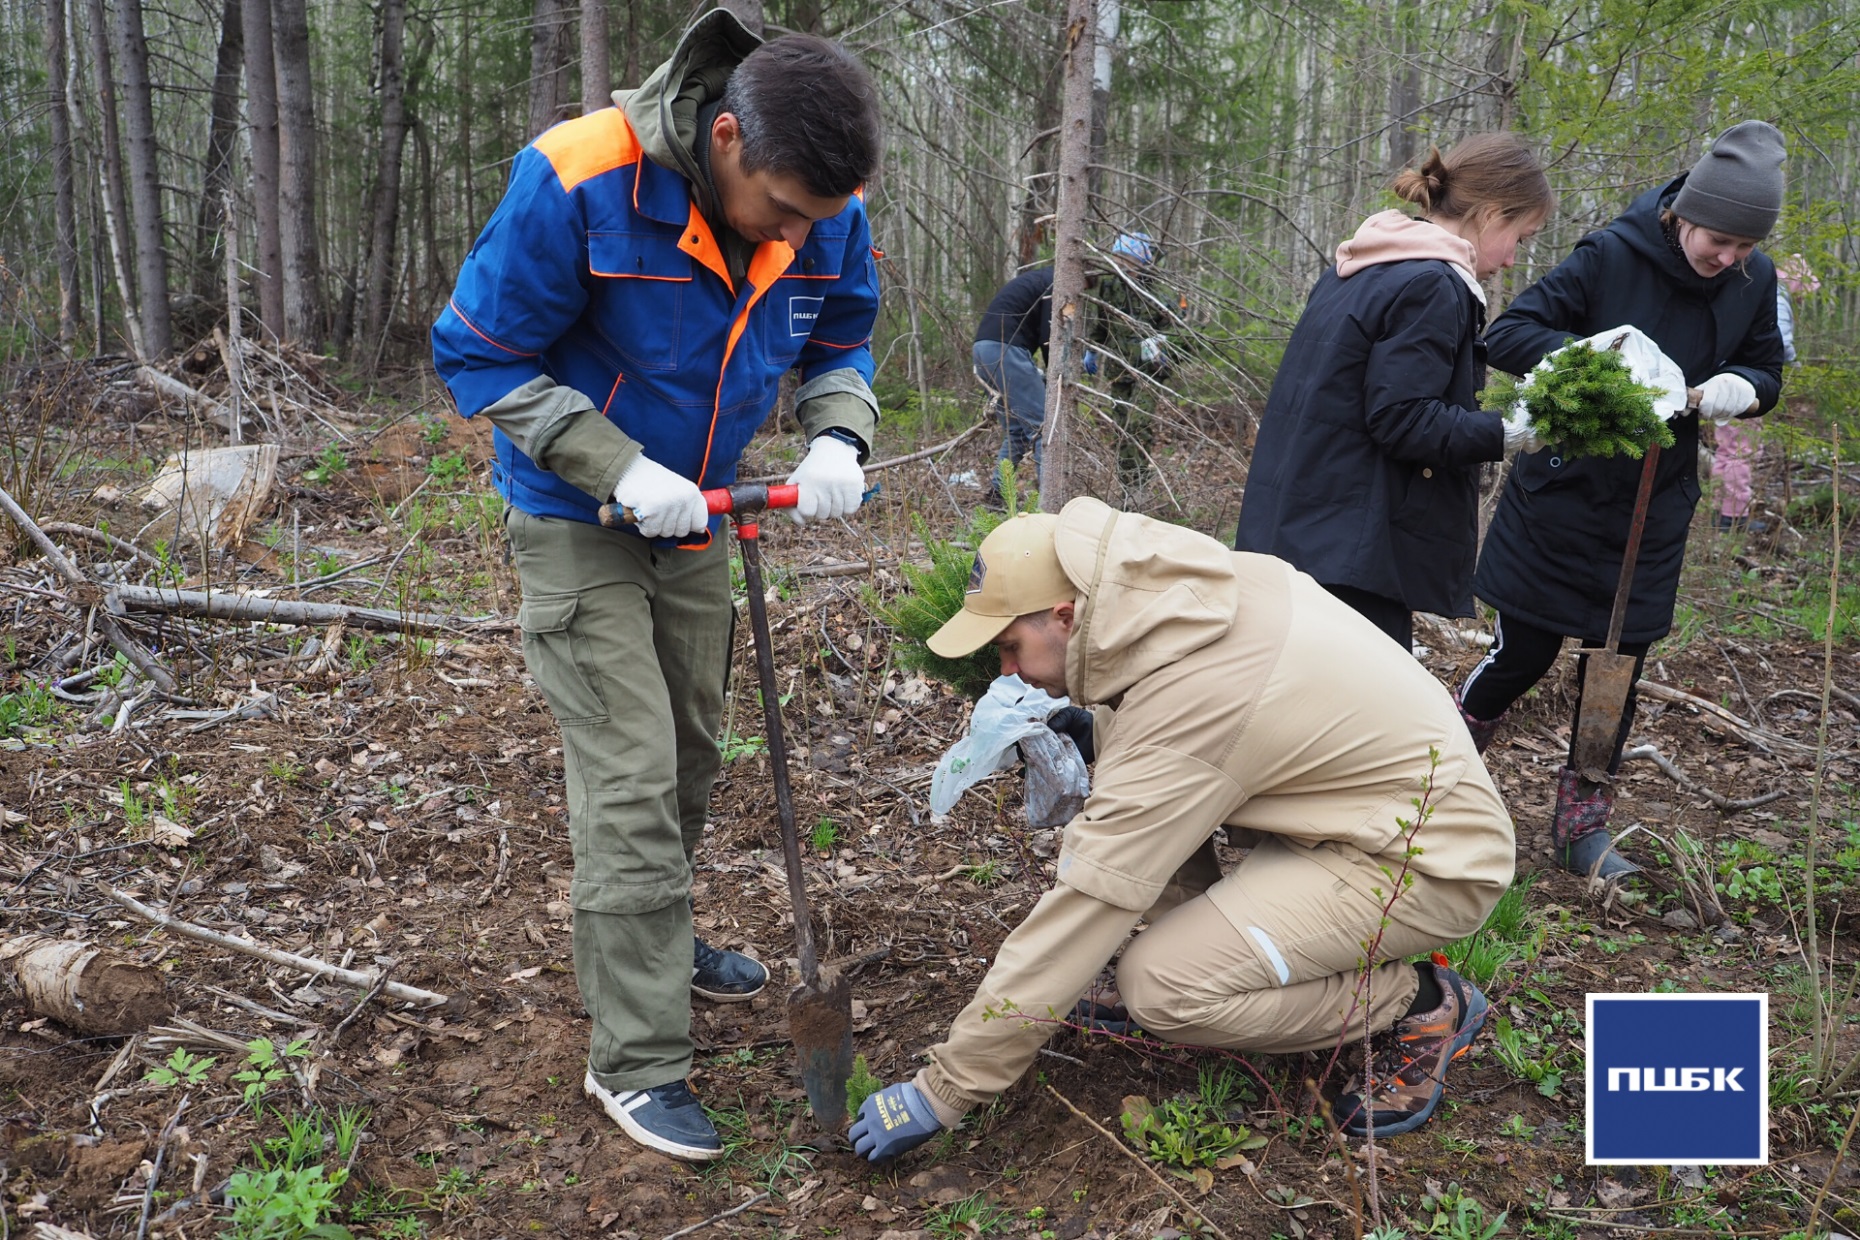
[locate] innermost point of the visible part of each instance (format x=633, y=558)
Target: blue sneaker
x=724, y=976
x=1400, y=1087
x=667, y=1118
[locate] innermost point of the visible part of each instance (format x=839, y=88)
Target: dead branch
x=191, y=397
x=303, y=964
x=262, y=610
x=1835, y=690
x=851, y=569
x=131, y=648
x=718, y=1218
x=1148, y=1170
x=1688, y=784
x=109, y=540
x=1743, y=729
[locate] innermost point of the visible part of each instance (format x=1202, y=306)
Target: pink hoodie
x=1392, y=237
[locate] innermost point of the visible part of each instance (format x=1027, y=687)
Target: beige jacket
x=1243, y=695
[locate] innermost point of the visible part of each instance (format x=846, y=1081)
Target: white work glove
x=1520, y=435
x=830, y=480
x=1150, y=349
x=664, y=504
x=1723, y=397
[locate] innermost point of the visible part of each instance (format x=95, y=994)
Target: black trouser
x=1519, y=658
x=1387, y=614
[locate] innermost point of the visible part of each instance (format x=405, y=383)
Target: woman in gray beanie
x=1681, y=264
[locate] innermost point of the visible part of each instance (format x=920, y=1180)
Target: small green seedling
x=182, y=1068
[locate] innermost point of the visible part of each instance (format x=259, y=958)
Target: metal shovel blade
x=820, y=1023
x=1605, y=684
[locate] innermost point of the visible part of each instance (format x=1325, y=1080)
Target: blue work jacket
x=598, y=271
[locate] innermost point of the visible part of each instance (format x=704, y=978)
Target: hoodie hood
x=1394, y=237
x=664, y=109
x=1639, y=226
x=1150, y=593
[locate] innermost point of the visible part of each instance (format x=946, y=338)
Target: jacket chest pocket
x=641, y=282
x=798, y=299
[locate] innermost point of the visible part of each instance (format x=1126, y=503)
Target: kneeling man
x=1230, y=690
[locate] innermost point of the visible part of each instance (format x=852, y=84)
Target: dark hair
x=1488, y=174
x=806, y=108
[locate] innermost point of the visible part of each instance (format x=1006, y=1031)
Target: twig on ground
x=717, y=1218
x=1134, y=1157
x=133, y=649
x=161, y=1156
x=1743, y=729
x=303, y=964
x=109, y=540
x=374, y=992
x=1687, y=784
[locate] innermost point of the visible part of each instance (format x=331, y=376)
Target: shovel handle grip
x=744, y=497
x=1694, y=396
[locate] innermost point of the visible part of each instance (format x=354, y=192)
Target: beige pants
x=1270, y=958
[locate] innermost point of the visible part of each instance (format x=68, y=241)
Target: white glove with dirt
x=664, y=504
x=1520, y=435
x=1723, y=397
x=830, y=480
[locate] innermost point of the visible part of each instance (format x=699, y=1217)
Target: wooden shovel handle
x=1694, y=396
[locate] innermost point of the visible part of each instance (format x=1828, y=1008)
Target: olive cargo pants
x=630, y=645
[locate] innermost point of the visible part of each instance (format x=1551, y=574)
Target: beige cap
x=1016, y=572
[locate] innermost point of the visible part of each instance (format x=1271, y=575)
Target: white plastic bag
x=1009, y=711
x=1644, y=358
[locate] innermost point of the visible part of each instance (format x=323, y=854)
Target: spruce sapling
x=1587, y=403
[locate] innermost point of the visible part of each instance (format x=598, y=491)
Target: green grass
x=1510, y=934
x=30, y=706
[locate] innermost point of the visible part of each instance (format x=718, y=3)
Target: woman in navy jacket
x=1681, y=264
x=1365, y=474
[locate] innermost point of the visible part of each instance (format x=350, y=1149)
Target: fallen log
x=262, y=610
x=176, y=390
x=83, y=986
x=303, y=964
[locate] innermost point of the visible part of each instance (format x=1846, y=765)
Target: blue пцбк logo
x=1678, y=1078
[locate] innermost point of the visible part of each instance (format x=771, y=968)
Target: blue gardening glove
x=1075, y=722
x=1090, y=364
x=891, y=1121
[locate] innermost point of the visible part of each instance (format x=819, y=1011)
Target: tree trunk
x=303, y=265
x=1404, y=86
x=596, y=64
x=1109, y=17
x=115, y=208
x=144, y=179
x=261, y=90
x=386, y=214
x=1074, y=213
x=548, y=67
x=64, y=242
x=222, y=133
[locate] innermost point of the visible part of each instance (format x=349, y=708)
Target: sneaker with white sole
x=725, y=976
x=666, y=1118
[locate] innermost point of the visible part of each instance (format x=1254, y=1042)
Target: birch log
x=83, y=986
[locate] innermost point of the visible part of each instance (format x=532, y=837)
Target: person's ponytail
x=1491, y=175
x=1427, y=187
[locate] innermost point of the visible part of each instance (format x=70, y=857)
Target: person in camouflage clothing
x=1128, y=342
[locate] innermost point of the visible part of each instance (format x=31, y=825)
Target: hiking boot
x=666, y=1118
x=724, y=976
x=1400, y=1087
x=1483, y=730
x=1579, y=832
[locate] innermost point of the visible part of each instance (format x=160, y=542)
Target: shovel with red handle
x=820, y=1008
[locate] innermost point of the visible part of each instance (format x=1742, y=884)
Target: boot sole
x=1462, y=1042
x=639, y=1133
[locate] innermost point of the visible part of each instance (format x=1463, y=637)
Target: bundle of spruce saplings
x=1586, y=402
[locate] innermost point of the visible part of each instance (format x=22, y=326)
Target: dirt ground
x=398, y=805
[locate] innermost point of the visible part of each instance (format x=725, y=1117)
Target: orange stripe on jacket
x=582, y=149
x=771, y=259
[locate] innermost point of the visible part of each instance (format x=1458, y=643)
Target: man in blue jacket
x=624, y=320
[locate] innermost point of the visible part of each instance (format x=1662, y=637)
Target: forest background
x=337, y=158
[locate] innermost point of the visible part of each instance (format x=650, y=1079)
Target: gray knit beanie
x=1737, y=187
